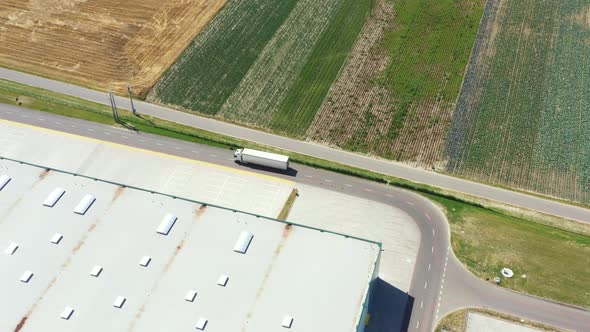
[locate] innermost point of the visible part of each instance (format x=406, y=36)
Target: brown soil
x=104, y=44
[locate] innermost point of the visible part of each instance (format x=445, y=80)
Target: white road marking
x=89, y=129
x=159, y=144
x=433, y=232
x=41, y=119
x=124, y=136
x=432, y=248
x=410, y=203
x=425, y=284
x=57, y=123
x=107, y=133
x=417, y=324
x=388, y=195
x=24, y=116
x=142, y=141
x=8, y=112
x=178, y=148
x=348, y=185
x=429, y=267
x=427, y=216
x=328, y=180
x=213, y=155
x=195, y=151
x=421, y=304
x=369, y=190
x=73, y=126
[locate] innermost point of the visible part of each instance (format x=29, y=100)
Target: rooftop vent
x=166, y=224
x=84, y=204
x=287, y=322
x=67, y=313
x=222, y=281
x=96, y=270
x=145, y=261
x=243, y=242
x=11, y=248
x=190, y=295
x=119, y=301
x=27, y=275
x=55, y=195
x=201, y=324
x=4, y=179
x=56, y=238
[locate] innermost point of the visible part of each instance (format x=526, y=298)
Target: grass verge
x=456, y=321
x=284, y=214
x=486, y=236
x=547, y=261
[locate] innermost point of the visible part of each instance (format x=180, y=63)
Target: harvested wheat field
x=103, y=44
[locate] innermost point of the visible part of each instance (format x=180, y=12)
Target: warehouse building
x=81, y=254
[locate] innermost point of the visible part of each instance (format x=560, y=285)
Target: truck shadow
x=289, y=172
x=390, y=308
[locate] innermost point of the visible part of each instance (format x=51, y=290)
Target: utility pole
x=131, y=98
x=114, y=106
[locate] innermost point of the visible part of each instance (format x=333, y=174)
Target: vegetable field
x=104, y=44
x=374, y=76
x=395, y=96
x=265, y=63
x=523, y=116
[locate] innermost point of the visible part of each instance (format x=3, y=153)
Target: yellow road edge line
x=159, y=154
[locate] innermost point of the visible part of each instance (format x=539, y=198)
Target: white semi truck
x=250, y=156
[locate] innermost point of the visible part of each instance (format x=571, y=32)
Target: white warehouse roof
x=216, y=269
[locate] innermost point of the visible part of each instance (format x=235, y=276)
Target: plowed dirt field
x=103, y=44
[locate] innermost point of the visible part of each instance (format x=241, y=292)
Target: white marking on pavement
x=425, y=284
x=421, y=304
x=427, y=216
x=213, y=155
x=388, y=195
x=159, y=144
x=433, y=232
x=195, y=151
x=73, y=126
x=24, y=116
x=107, y=133
x=417, y=324
x=410, y=203
x=124, y=136
x=348, y=185
x=57, y=123
x=309, y=176
x=429, y=267
x=328, y=180
x=89, y=129
x=41, y=119
x=142, y=141
x=432, y=248
x=178, y=148
x=369, y=190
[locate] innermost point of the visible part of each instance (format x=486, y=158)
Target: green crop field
x=258, y=60
x=523, y=117
x=374, y=76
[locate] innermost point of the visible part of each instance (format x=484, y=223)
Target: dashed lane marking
x=410, y=203
x=328, y=180
x=124, y=136
x=348, y=185
x=425, y=284
x=388, y=195
x=90, y=129
x=213, y=155
x=369, y=190
x=427, y=216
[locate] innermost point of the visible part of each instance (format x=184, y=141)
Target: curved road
x=440, y=283
x=377, y=165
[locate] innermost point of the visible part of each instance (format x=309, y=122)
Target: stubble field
x=103, y=44
x=523, y=117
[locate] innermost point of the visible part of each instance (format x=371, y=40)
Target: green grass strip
x=305, y=97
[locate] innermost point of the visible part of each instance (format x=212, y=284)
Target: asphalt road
x=440, y=283
x=378, y=165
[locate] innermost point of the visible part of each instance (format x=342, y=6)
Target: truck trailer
x=250, y=156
